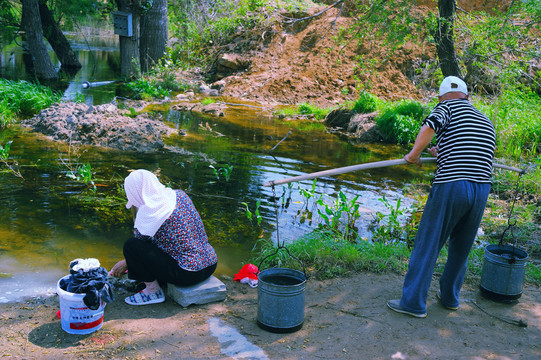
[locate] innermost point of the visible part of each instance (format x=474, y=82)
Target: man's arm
x=425, y=136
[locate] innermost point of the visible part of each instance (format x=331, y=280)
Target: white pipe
x=357, y=167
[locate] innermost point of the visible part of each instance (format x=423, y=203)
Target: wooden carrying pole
x=372, y=165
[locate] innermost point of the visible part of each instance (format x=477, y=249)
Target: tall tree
x=31, y=23
x=444, y=36
x=154, y=34
x=129, y=46
x=56, y=38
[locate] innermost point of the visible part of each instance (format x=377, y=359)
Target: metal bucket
x=503, y=271
x=281, y=300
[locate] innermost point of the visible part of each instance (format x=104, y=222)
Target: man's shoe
x=438, y=295
x=395, y=305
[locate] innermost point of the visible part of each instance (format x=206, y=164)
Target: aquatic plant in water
x=4, y=150
x=255, y=214
x=224, y=171
x=388, y=227
x=332, y=214
x=4, y=155
x=84, y=174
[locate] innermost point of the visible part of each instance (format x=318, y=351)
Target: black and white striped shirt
x=466, y=142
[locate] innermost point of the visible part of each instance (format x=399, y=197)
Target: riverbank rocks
x=215, y=109
x=362, y=127
x=101, y=125
x=210, y=290
x=229, y=64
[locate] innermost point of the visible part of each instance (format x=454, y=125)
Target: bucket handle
x=278, y=248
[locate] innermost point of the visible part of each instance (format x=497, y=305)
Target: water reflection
x=100, y=61
x=43, y=225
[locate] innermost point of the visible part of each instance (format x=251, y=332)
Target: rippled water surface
x=48, y=219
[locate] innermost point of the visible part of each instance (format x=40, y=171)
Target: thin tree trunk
x=444, y=36
x=31, y=22
x=153, y=34
x=56, y=38
x=129, y=46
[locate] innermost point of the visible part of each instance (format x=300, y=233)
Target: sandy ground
x=345, y=318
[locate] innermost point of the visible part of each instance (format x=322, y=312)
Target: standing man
x=466, y=141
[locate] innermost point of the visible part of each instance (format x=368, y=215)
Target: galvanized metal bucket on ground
x=281, y=300
x=503, y=271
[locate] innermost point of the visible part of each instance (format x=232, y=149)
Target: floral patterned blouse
x=183, y=236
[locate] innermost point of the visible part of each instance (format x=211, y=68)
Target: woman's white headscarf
x=154, y=202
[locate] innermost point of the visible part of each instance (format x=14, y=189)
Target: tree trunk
x=31, y=23
x=444, y=36
x=129, y=46
x=56, y=38
x=153, y=34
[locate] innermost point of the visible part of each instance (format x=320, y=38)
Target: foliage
x=6, y=115
x=22, y=98
x=4, y=155
x=496, y=48
x=199, y=27
x=388, y=227
x=324, y=255
x=83, y=174
x=147, y=88
x=304, y=110
x=400, y=122
x=208, y=101
x=69, y=13
x=366, y=103
x=159, y=82
x=9, y=19
x=250, y=216
x=315, y=111
x=4, y=150
x=515, y=115
x=222, y=172
x=332, y=215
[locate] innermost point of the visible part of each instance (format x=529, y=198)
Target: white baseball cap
x=453, y=84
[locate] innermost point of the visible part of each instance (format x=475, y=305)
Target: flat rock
x=210, y=290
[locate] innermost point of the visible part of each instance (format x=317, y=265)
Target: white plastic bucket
x=75, y=316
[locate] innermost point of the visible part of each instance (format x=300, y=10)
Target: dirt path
x=345, y=318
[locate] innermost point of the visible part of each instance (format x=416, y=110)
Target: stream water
x=43, y=225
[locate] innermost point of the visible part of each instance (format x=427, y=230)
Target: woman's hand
x=119, y=269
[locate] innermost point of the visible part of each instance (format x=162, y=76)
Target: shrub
x=401, y=122
x=366, y=103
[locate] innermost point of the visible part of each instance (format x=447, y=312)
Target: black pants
x=147, y=262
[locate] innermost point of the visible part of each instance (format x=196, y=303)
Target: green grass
x=325, y=255
x=515, y=115
x=400, y=122
x=303, y=110
x=366, y=103
x=23, y=99
x=208, y=101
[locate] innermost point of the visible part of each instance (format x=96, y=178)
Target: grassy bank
x=21, y=98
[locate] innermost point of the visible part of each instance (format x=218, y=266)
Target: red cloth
x=249, y=271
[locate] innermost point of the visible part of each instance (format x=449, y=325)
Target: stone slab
x=210, y=290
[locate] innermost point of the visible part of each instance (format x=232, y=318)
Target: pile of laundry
x=88, y=277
